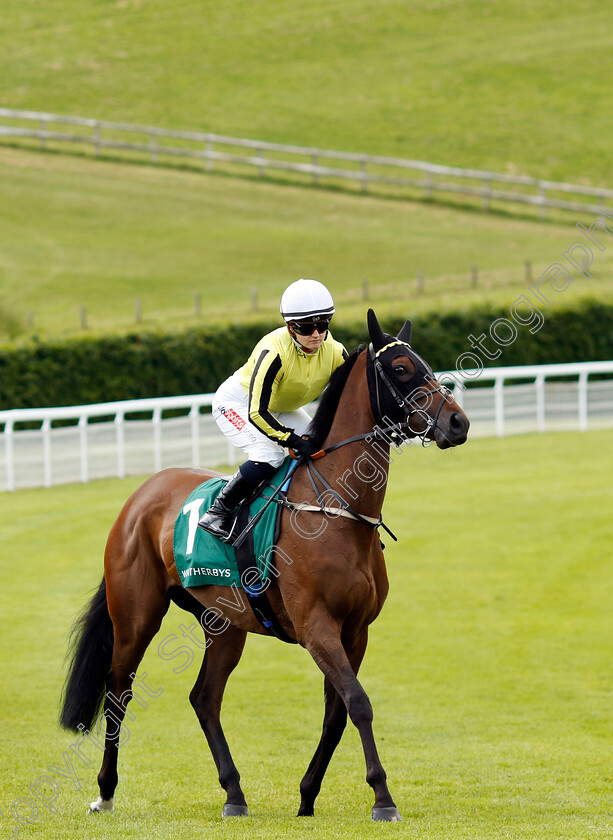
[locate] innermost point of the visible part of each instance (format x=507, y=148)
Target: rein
x=349, y=511
x=377, y=432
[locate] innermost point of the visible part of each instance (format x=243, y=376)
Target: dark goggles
x=309, y=327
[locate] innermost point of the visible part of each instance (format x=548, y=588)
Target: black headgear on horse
x=398, y=399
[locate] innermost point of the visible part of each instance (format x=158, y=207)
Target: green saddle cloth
x=201, y=558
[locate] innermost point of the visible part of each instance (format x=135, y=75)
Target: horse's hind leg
x=335, y=720
x=220, y=659
x=134, y=628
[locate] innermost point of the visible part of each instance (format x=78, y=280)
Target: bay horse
x=325, y=597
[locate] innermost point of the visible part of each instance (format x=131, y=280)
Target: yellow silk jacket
x=280, y=377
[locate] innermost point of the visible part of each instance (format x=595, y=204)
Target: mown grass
x=489, y=668
x=78, y=232
x=508, y=86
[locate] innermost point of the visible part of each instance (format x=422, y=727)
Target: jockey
x=260, y=407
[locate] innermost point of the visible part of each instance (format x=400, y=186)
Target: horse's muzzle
x=452, y=431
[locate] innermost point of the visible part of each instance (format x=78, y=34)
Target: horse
x=326, y=589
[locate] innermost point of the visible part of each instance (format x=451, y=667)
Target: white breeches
x=231, y=413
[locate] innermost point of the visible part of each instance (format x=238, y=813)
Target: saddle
x=247, y=562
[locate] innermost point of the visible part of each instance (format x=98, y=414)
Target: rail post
x=582, y=395
x=499, y=405
x=83, y=448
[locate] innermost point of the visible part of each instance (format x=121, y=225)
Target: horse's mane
x=329, y=400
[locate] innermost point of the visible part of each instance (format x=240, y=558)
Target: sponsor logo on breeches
x=237, y=421
x=234, y=418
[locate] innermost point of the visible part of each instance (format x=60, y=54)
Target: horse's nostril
x=457, y=423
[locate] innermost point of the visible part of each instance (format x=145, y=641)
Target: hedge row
x=105, y=368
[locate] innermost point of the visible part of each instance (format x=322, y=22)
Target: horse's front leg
x=335, y=720
x=322, y=640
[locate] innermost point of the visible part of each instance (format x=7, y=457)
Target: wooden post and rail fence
x=368, y=172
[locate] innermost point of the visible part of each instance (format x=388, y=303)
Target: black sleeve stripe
x=269, y=378
x=255, y=372
x=266, y=394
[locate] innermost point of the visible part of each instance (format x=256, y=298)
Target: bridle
x=406, y=404
x=398, y=432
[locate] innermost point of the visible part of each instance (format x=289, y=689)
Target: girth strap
x=256, y=591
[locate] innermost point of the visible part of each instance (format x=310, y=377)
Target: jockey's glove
x=301, y=445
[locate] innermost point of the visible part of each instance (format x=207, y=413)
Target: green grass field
x=489, y=668
x=78, y=232
x=508, y=86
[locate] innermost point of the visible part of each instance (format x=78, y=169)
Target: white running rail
x=107, y=439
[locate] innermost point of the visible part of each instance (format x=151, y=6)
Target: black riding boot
x=216, y=519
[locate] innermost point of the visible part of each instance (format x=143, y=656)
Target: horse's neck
x=360, y=468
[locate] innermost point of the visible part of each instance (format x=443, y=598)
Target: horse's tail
x=90, y=651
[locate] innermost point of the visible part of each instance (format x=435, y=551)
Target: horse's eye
x=402, y=373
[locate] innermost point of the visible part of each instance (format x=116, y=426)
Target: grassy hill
x=513, y=85
x=78, y=232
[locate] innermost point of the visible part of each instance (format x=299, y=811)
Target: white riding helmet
x=305, y=299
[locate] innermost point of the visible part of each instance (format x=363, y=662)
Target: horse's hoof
x=102, y=806
x=235, y=810
x=388, y=814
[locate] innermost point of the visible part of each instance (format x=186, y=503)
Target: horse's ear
x=374, y=330
x=405, y=332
